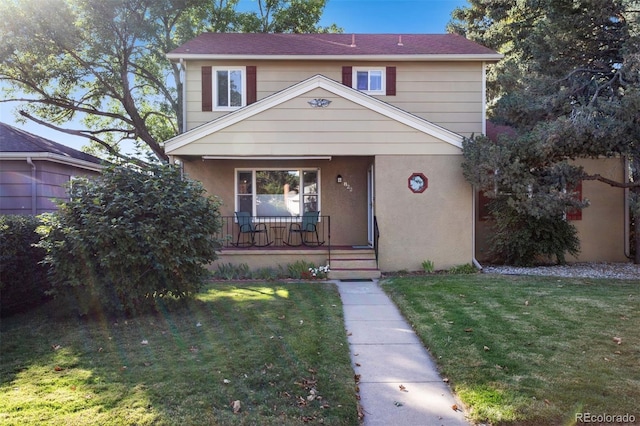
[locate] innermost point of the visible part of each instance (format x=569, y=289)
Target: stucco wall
x=435, y=225
x=602, y=228
x=446, y=93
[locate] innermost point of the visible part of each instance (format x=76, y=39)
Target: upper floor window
x=229, y=88
x=372, y=81
x=369, y=80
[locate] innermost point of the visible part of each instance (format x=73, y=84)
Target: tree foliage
x=128, y=237
x=570, y=88
x=102, y=62
x=23, y=279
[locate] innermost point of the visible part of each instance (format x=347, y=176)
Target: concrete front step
x=353, y=274
x=353, y=264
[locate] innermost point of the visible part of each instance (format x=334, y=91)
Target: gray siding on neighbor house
x=17, y=185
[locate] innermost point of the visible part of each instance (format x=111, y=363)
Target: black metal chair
x=307, y=226
x=247, y=228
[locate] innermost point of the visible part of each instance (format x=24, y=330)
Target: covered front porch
x=270, y=241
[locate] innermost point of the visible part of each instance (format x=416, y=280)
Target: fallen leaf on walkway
x=454, y=407
x=403, y=388
x=397, y=403
x=358, y=364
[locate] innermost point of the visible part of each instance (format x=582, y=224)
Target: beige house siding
x=434, y=225
x=446, y=93
x=294, y=128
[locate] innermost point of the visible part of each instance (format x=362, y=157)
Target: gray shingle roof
x=16, y=140
x=252, y=44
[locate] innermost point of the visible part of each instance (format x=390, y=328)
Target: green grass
x=272, y=343
x=530, y=350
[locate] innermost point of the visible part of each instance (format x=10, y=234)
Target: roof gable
x=319, y=46
x=303, y=88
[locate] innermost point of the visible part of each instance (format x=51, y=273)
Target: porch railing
x=376, y=237
x=275, y=232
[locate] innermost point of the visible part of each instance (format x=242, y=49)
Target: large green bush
x=23, y=279
x=129, y=237
x=523, y=239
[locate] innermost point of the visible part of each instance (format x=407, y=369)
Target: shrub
x=467, y=268
x=131, y=236
x=229, y=271
x=522, y=239
x=300, y=269
x=268, y=274
x=23, y=279
x=428, y=266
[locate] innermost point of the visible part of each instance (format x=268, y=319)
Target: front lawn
x=530, y=350
x=280, y=350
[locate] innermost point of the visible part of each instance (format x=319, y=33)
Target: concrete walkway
x=387, y=354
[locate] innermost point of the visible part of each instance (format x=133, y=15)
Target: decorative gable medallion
x=319, y=103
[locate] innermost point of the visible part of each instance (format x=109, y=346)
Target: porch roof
x=226, y=137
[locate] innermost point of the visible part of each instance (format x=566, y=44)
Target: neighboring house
x=603, y=227
x=35, y=170
x=367, y=129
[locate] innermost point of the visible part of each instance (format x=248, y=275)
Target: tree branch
x=612, y=182
x=85, y=134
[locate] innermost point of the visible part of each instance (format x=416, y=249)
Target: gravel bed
x=624, y=271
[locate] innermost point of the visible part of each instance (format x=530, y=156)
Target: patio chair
x=307, y=227
x=247, y=228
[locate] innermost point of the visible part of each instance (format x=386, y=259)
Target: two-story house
x=365, y=129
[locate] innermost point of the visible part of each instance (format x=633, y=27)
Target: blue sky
x=353, y=16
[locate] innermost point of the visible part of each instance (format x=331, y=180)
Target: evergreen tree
x=570, y=88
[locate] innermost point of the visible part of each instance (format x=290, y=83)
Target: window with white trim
x=229, y=88
x=277, y=192
x=368, y=80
